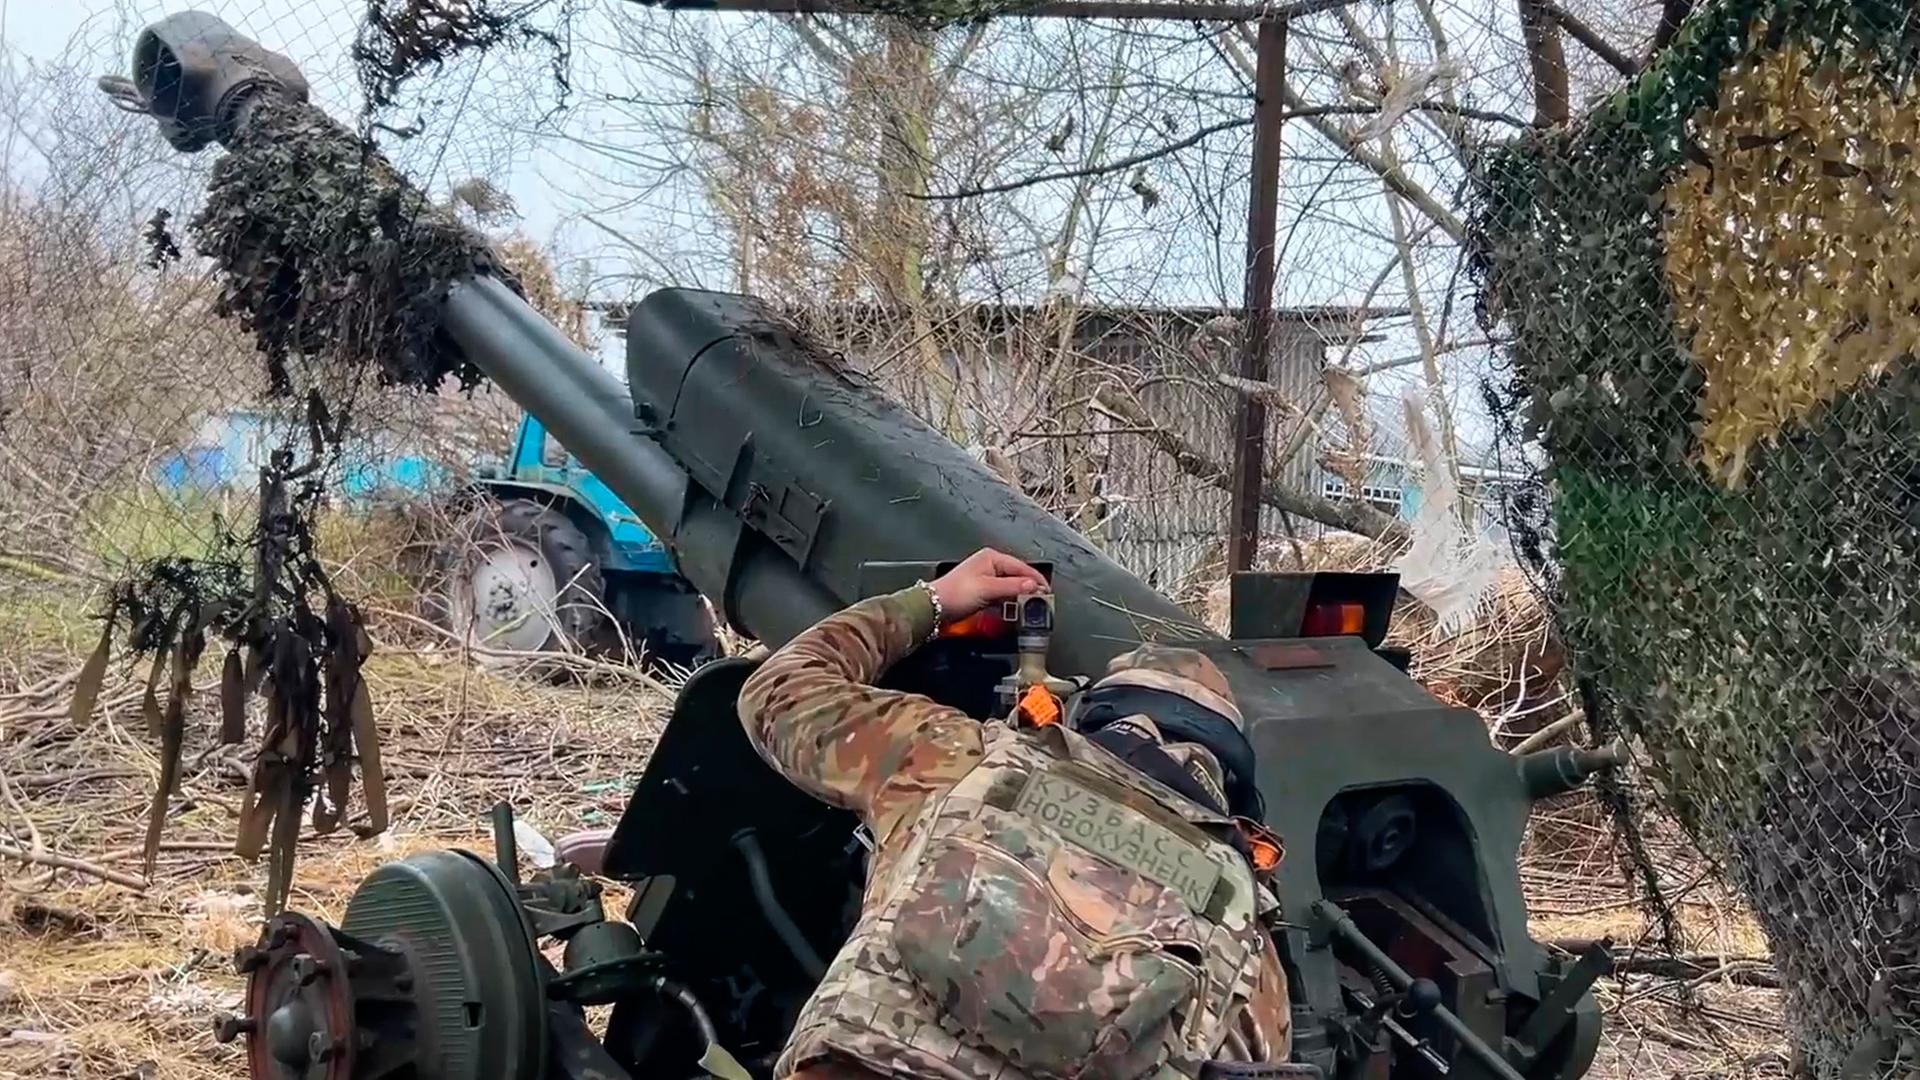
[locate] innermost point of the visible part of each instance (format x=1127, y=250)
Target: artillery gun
x=787, y=488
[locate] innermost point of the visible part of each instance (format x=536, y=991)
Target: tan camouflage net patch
x=1790, y=249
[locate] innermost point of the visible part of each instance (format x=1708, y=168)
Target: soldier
x=1065, y=901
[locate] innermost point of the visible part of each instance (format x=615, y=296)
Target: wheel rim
x=507, y=600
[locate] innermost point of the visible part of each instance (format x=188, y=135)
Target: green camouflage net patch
x=1710, y=299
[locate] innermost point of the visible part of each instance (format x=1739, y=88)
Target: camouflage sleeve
x=814, y=715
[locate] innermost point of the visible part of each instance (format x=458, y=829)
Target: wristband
x=939, y=612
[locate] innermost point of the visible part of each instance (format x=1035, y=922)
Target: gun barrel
x=776, y=475
x=821, y=466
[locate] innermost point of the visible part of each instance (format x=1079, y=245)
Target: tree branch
x=814, y=42
x=1355, y=517
x=1493, y=116
x=1672, y=14
x=1549, y=733
x=1098, y=170
x=1443, y=52
x=975, y=34
x=68, y=862
x=1739, y=970
x=1456, y=133
x=1410, y=359
x=1304, y=112
x=1390, y=174
x=1260, y=390
x=1548, y=62
x=1588, y=36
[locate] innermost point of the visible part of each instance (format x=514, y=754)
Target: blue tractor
x=546, y=556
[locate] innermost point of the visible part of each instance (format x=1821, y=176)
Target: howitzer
x=789, y=487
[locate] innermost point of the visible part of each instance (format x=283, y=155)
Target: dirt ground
x=103, y=980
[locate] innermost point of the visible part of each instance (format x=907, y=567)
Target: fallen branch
x=41, y=565
x=68, y=862
x=45, y=686
x=1549, y=733
x=41, y=913
x=1745, y=971
x=1674, y=1038
x=1353, y=517
x=1738, y=970
x=38, y=781
x=572, y=661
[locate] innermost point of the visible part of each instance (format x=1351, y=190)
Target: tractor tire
x=518, y=577
x=679, y=629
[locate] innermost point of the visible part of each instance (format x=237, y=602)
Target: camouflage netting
x=1712, y=286
x=402, y=39
x=326, y=251
x=940, y=14
x=337, y=267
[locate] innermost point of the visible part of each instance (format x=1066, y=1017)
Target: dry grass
x=98, y=980
x=1656, y=1025
x=101, y=981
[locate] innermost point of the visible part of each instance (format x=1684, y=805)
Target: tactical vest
x=1055, y=915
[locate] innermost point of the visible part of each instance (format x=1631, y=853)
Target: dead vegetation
x=105, y=975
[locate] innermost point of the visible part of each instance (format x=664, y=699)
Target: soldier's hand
x=986, y=577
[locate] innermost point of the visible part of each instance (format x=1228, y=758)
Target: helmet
x=1188, y=700
x=1181, y=672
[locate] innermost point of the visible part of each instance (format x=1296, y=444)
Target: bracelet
x=939, y=612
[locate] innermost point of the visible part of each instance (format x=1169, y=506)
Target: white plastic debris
x=1403, y=88
x=537, y=848
x=1450, y=567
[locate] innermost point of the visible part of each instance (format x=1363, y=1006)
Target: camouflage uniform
x=993, y=943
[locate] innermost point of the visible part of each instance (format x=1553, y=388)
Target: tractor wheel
x=671, y=627
x=519, y=577
x=680, y=629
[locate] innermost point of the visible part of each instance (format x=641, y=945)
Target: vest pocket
x=1051, y=970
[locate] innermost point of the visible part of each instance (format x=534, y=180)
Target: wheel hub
x=508, y=600
x=318, y=1002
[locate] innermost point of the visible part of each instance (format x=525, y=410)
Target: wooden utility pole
x=1263, y=213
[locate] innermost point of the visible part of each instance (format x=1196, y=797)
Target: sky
x=461, y=110
x=494, y=115
x=316, y=34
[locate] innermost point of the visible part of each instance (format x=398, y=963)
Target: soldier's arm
x=812, y=712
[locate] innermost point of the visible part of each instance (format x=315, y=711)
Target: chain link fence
x=1710, y=286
